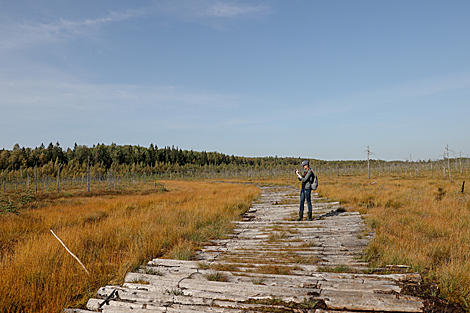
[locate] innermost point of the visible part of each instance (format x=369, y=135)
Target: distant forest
x=105, y=162
x=107, y=156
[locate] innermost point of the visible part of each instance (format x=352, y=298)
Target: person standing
x=306, y=191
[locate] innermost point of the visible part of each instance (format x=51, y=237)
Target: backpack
x=314, y=183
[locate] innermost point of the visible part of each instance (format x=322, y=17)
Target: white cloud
x=15, y=35
x=224, y=9
x=211, y=8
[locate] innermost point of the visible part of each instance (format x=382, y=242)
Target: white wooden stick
x=70, y=252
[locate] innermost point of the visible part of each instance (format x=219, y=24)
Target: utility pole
x=368, y=160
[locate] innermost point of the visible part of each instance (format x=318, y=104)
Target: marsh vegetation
x=421, y=221
x=110, y=234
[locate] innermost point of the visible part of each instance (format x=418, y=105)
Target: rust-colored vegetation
x=111, y=233
x=422, y=221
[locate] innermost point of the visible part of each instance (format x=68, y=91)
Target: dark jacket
x=307, y=180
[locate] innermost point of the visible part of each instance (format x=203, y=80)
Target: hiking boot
x=309, y=216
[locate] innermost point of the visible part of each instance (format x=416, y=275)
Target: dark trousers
x=305, y=194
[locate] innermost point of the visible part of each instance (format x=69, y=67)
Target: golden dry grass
x=420, y=221
x=111, y=235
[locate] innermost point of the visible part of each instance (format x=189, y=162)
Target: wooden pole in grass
x=155, y=177
x=368, y=157
x=88, y=174
x=448, y=162
x=58, y=179
x=78, y=260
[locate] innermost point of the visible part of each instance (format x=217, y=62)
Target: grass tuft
x=216, y=276
x=183, y=250
x=278, y=236
x=174, y=292
x=203, y=265
x=257, y=280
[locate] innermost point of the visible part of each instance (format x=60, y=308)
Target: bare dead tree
x=448, y=162
x=88, y=174
x=58, y=178
x=155, y=177
x=466, y=167
x=36, y=178
x=460, y=162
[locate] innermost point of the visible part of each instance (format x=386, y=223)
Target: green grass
x=257, y=280
x=174, y=292
x=216, y=276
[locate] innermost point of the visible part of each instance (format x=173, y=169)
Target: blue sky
x=315, y=79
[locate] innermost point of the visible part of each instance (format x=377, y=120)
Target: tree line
x=101, y=161
x=108, y=155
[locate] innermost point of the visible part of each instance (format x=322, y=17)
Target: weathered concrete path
x=269, y=264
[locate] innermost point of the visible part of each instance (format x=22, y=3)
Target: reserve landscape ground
x=419, y=220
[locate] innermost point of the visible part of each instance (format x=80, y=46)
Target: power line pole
x=368, y=160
